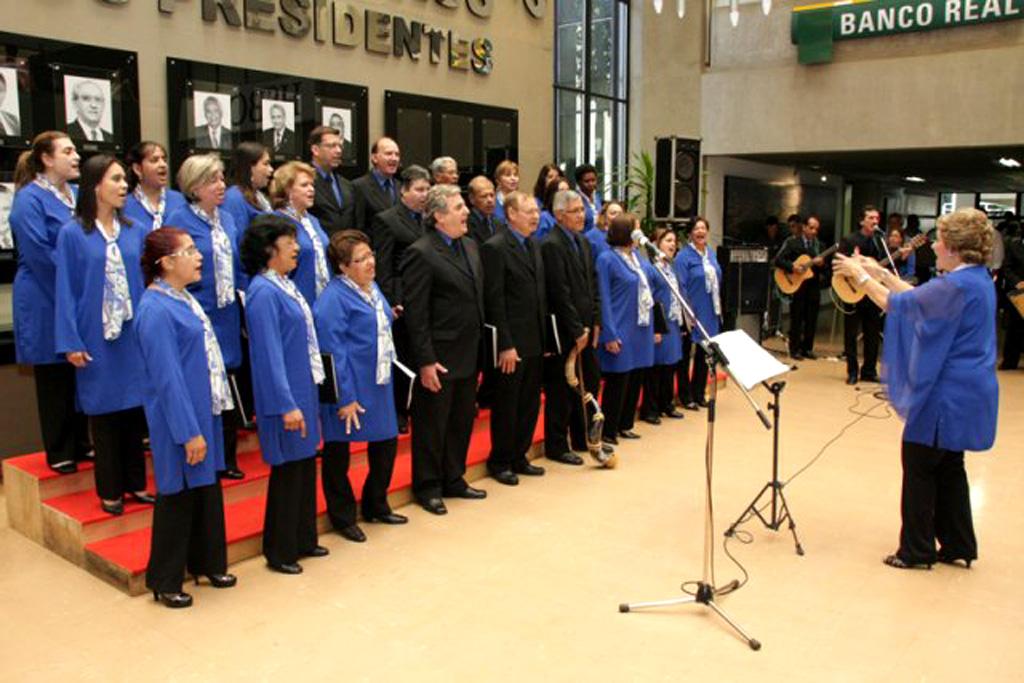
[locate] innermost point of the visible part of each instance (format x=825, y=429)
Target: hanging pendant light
x=658, y=5
x=766, y=6
x=734, y=13
x=681, y=8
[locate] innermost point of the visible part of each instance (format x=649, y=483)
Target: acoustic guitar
x=847, y=289
x=788, y=283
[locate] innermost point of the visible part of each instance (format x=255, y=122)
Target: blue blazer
x=112, y=380
x=939, y=360
x=547, y=224
x=142, y=218
x=591, y=212
x=670, y=350
x=598, y=241
x=346, y=326
x=282, y=378
x=690, y=271
x=36, y=219
x=242, y=212
x=227, y=323
x=176, y=393
x=304, y=274
x=618, y=285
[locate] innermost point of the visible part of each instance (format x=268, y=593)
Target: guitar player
x=803, y=308
x=865, y=315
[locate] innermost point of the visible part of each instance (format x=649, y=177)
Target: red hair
x=159, y=243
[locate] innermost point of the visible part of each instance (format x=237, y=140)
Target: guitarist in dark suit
x=803, y=309
x=443, y=290
x=334, y=203
x=573, y=298
x=483, y=224
x=515, y=302
x=865, y=314
x=378, y=189
x=394, y=230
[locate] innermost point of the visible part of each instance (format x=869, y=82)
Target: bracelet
x=863, y=279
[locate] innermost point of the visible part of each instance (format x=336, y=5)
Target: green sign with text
x=815, y=28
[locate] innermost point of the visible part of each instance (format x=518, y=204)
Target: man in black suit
x=393, y=231
x=442, y=280
x=573, y=298
x=378, y=189
x=279, y=139
x=444, y=171
x=865, y=313
x=515, y=303
x=803, y=308
x=483, y=224
x=213, y=135
x=88, y=102
x=10, y=122
x=334, y=203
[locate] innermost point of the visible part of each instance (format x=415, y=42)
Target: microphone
x=640, y=238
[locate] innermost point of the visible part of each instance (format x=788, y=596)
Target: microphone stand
x=706, y=590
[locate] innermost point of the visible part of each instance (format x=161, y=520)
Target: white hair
x=563, y=198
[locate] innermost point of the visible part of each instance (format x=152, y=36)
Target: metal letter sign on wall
x=814, y=28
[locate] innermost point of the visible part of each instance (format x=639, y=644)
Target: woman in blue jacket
x=700, y=276
x=658, y=384
x=151, y=200
x=201, y=179
x=292, y=193
x=353, y=322
x=598, y=236
x=185, y=391
x=99, y=282
x=44, y=202
x=547, y=215
x=286, y=367
x=627, y=328
x=938, y=366
x=250, y=177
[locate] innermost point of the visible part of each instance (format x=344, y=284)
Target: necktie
x=96, y=135
x=214, y=138
x=277, y=140
x=389, y=189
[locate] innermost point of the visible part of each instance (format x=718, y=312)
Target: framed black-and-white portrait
x=88, y=109
x=278, y=127
x=341, y=115
x=211, y=120
x=6, y=200
x=10, y=103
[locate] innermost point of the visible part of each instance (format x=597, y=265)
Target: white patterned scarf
x=223, y=257
x=644, y=299
x=117, y=298
x=67, y=199
x=316, y=363
x=262, y=200
x=385, y=343
x=711, y=285
x=319, y=256
x=156, y=212
x=675, y=311
x=220, y=393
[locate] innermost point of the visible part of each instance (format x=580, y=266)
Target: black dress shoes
x=628, y=434
x=116, y=508
x=868, y=377
x=285, y=567
x=673, y=414
x=651, y=419
x=173, y=600
x=387, y=518
x=143, y=497
x=403, y=424
x=607, y=448
x=851, y=379
x=353, y=533
x=810, y=355
x=528, y=469
x=506, y=477
x=233, y=473
x=796, y=355
x=434, y=506
x=690, y=405
x=219, y=580
x=566, y=458
x=702, y=403
x=468, y=492
x=610, y=440
x=67, y=467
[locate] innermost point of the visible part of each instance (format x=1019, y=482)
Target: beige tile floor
x=525, y=585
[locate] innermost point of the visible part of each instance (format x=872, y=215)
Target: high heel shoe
x=897, y=562
x=218, y=580
x=144, y=497
x=173, y=600
x=955, y=560
x=115, y=508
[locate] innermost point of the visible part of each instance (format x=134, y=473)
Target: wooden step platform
x=62, y=512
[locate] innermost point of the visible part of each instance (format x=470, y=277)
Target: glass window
x=997, y=204
x=570, y=129
x=415, y=136
x=569, y=40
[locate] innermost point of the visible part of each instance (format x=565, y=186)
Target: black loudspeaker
x=746, y=272
x=676, y=179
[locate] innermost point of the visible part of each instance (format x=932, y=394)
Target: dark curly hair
x=258, y=241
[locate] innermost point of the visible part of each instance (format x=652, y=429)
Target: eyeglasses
x=369, y=256
x=190, y=250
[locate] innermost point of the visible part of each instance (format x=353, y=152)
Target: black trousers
x=188, y=533
x=341, y=499
x=442, y=427
x=65, y=431
x=1014, y=338
x=699, y=380
x=659, y=390
x=516, y=405
x=619, y=400
x=865, y=316
x=120, y=459
x=289, y=523
x=935, y=505
x=231, y=422
x=564, y=420
x=803, y=317
x=683, y=370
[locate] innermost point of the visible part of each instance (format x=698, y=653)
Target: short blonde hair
x=968, y=232
x=505, y=168
x=284, y=177
x=196, y=171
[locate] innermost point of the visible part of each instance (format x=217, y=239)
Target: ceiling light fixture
x=681, y=8
x=824, y=178
x=1009, y=163
x=914, y=179
x=734, y=12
